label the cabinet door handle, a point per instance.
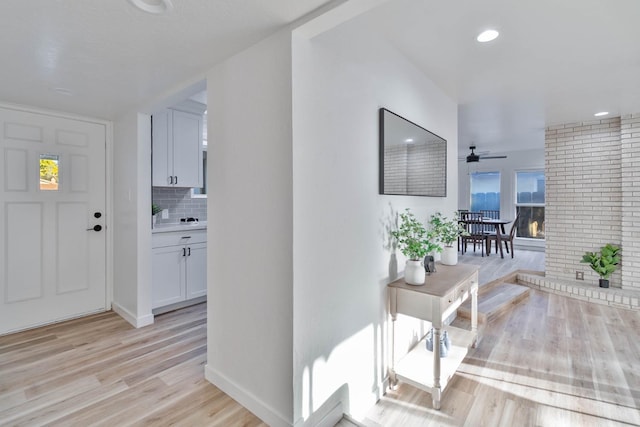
(176, 177)
(189, 251)
(184, 251)
(170, 179)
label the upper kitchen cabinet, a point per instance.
(177, 146)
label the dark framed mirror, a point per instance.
(413, 161)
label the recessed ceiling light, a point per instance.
(408, 140)
(153, 6)
(601, 113)
(487, 36)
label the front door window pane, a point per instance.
(49, 177)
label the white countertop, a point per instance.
(166, 228)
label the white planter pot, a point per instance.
(449, 255)
(414, 273)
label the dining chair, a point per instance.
(473, 225)
(506, 238)
(460, 212)
(490, 213)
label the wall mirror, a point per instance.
(413, 161)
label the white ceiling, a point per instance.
(108, 57)
(554, 62)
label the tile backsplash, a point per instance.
(179, 203)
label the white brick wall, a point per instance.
(395, 167)
(630, 142)
(584, 195)
(414, 169)
(581, 290)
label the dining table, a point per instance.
(498, 224)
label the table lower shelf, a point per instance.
(416, 368)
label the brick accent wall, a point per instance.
(395, 169)
(584, 191)
(415, 169)
(425, 169)
(630, 142)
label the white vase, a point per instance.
(414, 273)
(449, 255)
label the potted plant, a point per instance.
(415, 243)
(155, 209)
(447, 232)
(603, 262)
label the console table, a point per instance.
(435, 301)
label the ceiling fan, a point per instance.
(473, 157)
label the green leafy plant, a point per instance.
(603, 262)
(414, 240)
(155, 209)
(447, 230)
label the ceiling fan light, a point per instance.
(473, 158)
(487, 36)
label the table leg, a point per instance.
(437, 389)
(393, 379)
(474, 315)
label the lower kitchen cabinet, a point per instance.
(179, 267)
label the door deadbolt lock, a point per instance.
(97, 215)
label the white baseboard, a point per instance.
(245, 398)
(137, 322)
(332, 417)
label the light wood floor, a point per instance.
(99, 371)
(493, 267)
(550, 361)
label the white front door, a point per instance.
(52, 219)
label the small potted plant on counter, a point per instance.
(604, 262)
(155, 210)
(415, 243)
(447, 232)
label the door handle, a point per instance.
(184, 252)
(95, 228)
(189, 251)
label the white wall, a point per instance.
(250, 231)
(342, 260)
(132, 219)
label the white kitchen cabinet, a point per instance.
(196, 274)
(179, 267)
(177, 148)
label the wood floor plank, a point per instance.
(549, 361)
(101, 371)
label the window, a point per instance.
(485, 191)
(49, 177)
(530, 204)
